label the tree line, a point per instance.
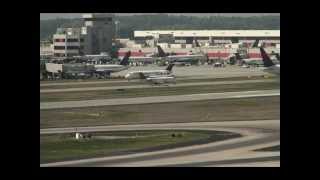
(165, 22)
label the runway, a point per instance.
(157, 99)
(149, 86)
(256, 134)
(79, 83)
(203, 71)
(238, 151)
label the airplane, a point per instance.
(247, 60)
(144, 59)
(255, 44)
(147, 58)
(250, 60)
(136, 74)
(179, 59)
(270, 66)
(157, 80)
(107, 69)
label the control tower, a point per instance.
(100, 32)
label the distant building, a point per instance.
(46, 49)
(268, 37)
(95, 37)
(68, 42)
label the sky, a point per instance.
(44, 16)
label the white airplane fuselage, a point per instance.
(109, 68)
(252, 59)
(184, 57)
(135, 74)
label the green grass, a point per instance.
(155, 91)
(61, 147)
(253, 108)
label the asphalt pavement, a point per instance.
(232, 152)
(157, 99)
(150, 86)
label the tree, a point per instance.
(163, 21)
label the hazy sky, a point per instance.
(77, 15)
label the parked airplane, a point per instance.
(107, 69)
(156, 80)
(147, 58)
(270, 66)
(179, 58)
(162, 72)
(249, 60)
(143, 59)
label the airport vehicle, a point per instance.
(157, 80)
(107, 69)
(218, 64)
(161, 72)
(270, 66)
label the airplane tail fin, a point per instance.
(169, 68)
(255, 44)
(266, 59)
(161, 53)
(197, 43)
(125, 60)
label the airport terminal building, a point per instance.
(209, 37)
